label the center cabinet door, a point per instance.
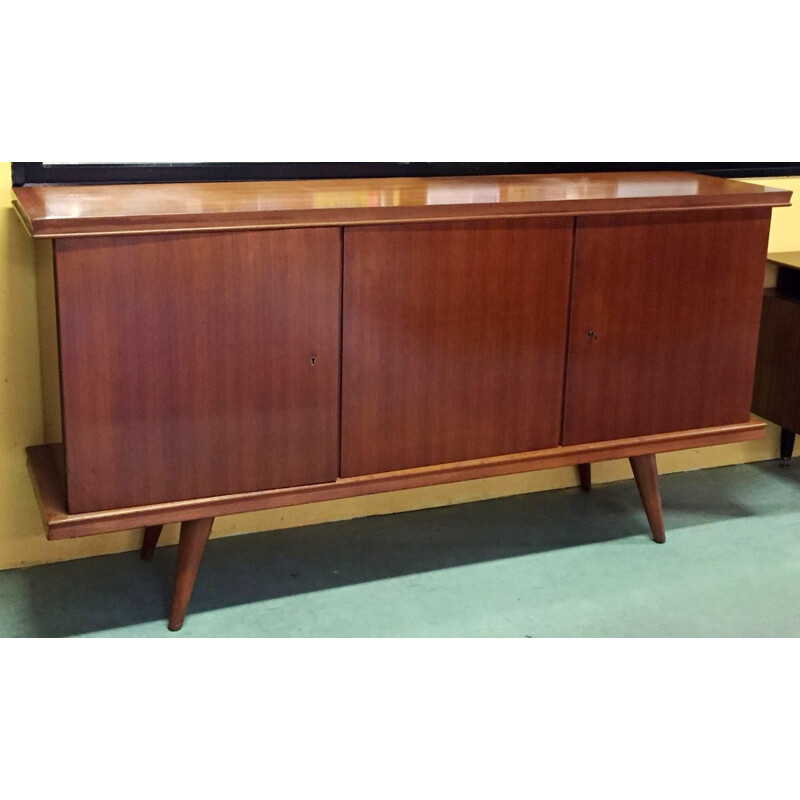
(454, 340)
(201, 364)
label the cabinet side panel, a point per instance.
(776, 394)
(49, 362)
(196, 365)
(664, 323)
(48, 340)
(454, 341)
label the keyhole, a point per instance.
(591, 334)
(313, 361)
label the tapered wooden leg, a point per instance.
(646, 473)
(585, 474)
(192, 543)
(150, 541)
(787, 446)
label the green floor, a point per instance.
(560, 563)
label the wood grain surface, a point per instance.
(664, 322)
(454, 341)
(198, 365)
(776, 394)
(56, 211)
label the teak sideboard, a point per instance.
(238, 346)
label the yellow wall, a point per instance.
(22, 539)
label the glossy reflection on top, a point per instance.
(76, 210)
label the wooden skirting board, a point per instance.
(59, 524)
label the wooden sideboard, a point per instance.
(238, 346)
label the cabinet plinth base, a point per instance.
(196, 525)
(59, 524)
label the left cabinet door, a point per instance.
(196, 365)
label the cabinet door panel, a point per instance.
(664, 322)
(454, 341)
(187, 364)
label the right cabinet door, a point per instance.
(664, 322)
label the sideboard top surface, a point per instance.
(69, 211)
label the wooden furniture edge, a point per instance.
(24, 217)
(789, 259)
(106, 216)
(317, 218)
(61, 525)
